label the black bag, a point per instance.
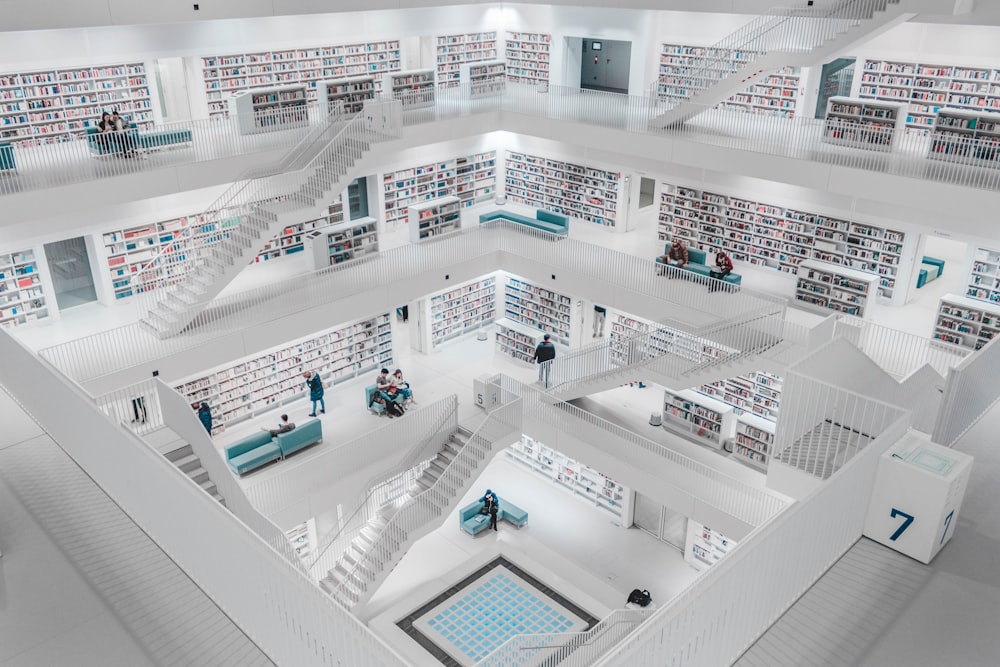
(640, 597)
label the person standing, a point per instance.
(491, 506)
(205, 416)
(544, 354)
(315, 392)
(600, 312)
(723, 267)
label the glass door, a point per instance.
(69, 266)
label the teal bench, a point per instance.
(302, 436)
(696, 264)
(472, 522)
(252, 452)
(164, 138)
(259, 448)
(930, 269)
(7, 156)
(375, 407)
(102, 145)
(547, 221)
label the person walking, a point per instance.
(544, 354)
(491, 506)
(600, 312)
(315, 392)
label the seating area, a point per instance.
(931, 269)
(259, 448)
(100, 145)
(697, 264)
(472, 522)
(376, 407)
(547, 221)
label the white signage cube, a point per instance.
(918, 493)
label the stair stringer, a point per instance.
(181, 303)
(428, 510)
(764, 65)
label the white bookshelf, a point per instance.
(984, 280)
(823, 286)
(967, 137)
(540, 309)
(579, 191)
(348, 94)
(926, 88)
(704, 546)
(517, 340)
(453, 51)
(757, 393)
(269, 109)
(341, 243)
(662, 340)
(776, 237)
(257, 384)
(705, 419)
(966, 322)
(22, 297)
(527, 56)
(433, 218)
(303, 538)
(296, 237)
(685, 69)
(413, 88)
(53, 105)
(585, 482)
(462, 309)
(226, 74)
(754, 440)
(867, 124)
(484, 78)
(471, 178)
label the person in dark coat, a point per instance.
(205, 415)
(491, 506)
(544, 354)
(723, 267)
(315, 392)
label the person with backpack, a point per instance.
(544, 354)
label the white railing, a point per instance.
(724, 612)
(747, 503)
(278, 607)
(823, 426)
(240, 221)
(79, 160)
(896, 352)
(136, 406)
(567, 649)
(971, 389)
(426, 509)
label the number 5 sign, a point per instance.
(917, 496)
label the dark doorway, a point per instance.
(835, 81)
(69, 266)
(605, 65)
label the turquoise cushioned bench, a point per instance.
(301, 436)
(696, 264)
(252, 452)
(930, 269)
(547, 221)
(468, 516)
(7, 156)
(151, 140)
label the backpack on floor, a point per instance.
(640, 597)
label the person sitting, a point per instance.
(491, 506)
(677, 255)
(121, 125)
(284, 426)
(723, 267)
(108, 135)
(403, 387)
(390, 395)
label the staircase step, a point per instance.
(199, 475)
(188, 463)
(179, 453)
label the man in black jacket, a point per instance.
(544, 354)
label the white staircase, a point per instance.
(186, 276)
(176, 450)
(385, 538)
(782, 37)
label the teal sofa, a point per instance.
(252, 452)
(697, 264)
(547, 221)
(153, 140)
(7, 156)
(931, 268)
(472, 522)
(377, 408)
(259, 448)
(303, 435)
